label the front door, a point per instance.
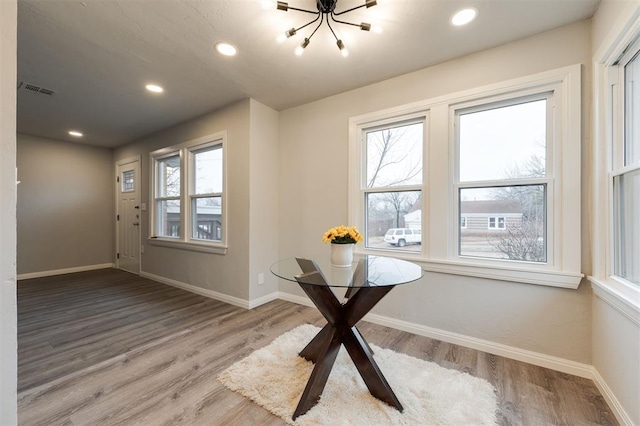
(128, 216)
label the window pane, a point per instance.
(394, 156)
(627, 217)
(206, 218)
(632, 111)
(168, 218)
(388, 214)
(504, 222)
(504, 143)
(168, 170)
(128, 183)
(208, 170)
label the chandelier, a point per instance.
(326, 13)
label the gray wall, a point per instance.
(8, 316)
(228, 274)
(264, 190)
(545, 320)
(65, 205)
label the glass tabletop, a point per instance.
(365, 271)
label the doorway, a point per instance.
(128, 215)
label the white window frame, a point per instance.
(187, 174)
(608, 66)
(439, 243)
(496, 223)
(463, 218)
(402, 118)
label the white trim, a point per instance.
(549, 278)
(624, 298)
(235, 301)
(563, 266)
(254, 303)
(547, 361)
(185, 150)
(73, 270)
(610, 398)
(188, 245)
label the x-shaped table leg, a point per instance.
(341, 330)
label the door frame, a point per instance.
(119, 163)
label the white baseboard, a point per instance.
(236, 301)
(64, 271)
(254, 303)
(535, 358)
(612, 401)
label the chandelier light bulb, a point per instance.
(343, 49)
(281, 38)
(300, 49)
(377, 29)
(268, 4)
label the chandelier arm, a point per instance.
(309, 23)
(332, 32)
(348, 10)
(342, 22)
(315, 12)
(314, 31)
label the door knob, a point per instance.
(136, 223)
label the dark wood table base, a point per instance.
(341, 330)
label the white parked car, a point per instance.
(403, 236)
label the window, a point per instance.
(391, 188)
(206, 191)
(490, 178)
(502, 171)
(625, 176)
(188, 194)
(128, 184)
(167, 196)
(496, 222)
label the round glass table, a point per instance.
(367, 281)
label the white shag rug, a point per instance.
(275, 376)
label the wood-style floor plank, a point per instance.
(110, 348)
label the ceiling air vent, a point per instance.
(36, 89)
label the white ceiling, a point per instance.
(98, 55)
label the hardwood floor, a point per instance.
(107, 347)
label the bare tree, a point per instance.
(385, 143)
(401, 203)
(525, 241)
(392, 161)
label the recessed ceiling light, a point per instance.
(75, 133)
(226, 49)
(464, 16)
(154, 88)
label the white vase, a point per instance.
(341, 255)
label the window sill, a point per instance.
(620, 295)
(510, 273)
(184, 245)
